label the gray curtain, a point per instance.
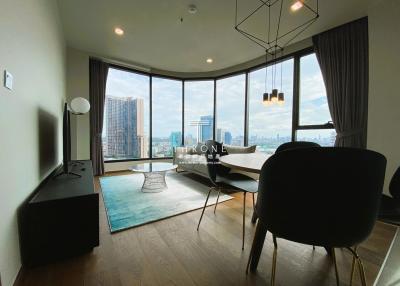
(343, 57)
(98, 72)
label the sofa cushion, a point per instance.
(240, 150)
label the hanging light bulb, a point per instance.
(266, 99)
(274, 96)
(281, 98)
(281, 95)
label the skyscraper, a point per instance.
(204, 127)
(224, 136)
(125, 127)
(175, 139)
(228, 138)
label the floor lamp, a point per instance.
(79, 106)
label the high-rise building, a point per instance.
(228, 138)
(224, 136)
(125, 127)
(204, 127)
(207, 128)
(175, 139)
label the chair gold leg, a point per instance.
(219, 192)
(357, 258)
(274, 258)
(250, 255)
(205, 204)
(353, 263)
(244, 217)
(362, 273)
(336, 267)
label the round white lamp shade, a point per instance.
(80, 105)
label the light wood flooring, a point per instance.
(172, 252)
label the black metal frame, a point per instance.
(296, 56)
(270, 44)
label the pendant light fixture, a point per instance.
(281, 95)
(274, 42)
(266, 96)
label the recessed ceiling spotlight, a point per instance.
(192, 9)
(118, 31)
(296, 5)
(209, 60)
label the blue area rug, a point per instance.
(127, 206)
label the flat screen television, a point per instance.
(66, 143)
(66, 139)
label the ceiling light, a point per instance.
(209, 60)
(118, 31)
(296, 5)
(192, 9)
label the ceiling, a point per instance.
(155, 36)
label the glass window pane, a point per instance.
(324, 137)
(230, 110)
(126, 116)
(313, 102)
(166, 116)
(199, 110)
(270, 126)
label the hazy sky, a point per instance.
(266, 121)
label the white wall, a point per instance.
(32, 49)
(384, 79)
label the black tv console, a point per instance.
(62, 219)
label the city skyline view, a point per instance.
(269, 126)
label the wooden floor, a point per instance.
(172, 252)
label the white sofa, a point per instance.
(193, 159)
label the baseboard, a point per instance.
(17, 279)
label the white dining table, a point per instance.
(249, 162)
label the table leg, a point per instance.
(257, 246)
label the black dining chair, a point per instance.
(220, 177)
(296, 145)
(319, 196)
(390, 206)
(289, 146)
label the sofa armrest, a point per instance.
(179, 153)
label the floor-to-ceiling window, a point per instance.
(136, 101)
(271, 125)
(126, 116)
(314, 115)
(166, 116)
(199, 111)
(230, 110)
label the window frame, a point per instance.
(296, 56)
(186, 80)
(245, 112)
(151, 112)
(296, 102)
